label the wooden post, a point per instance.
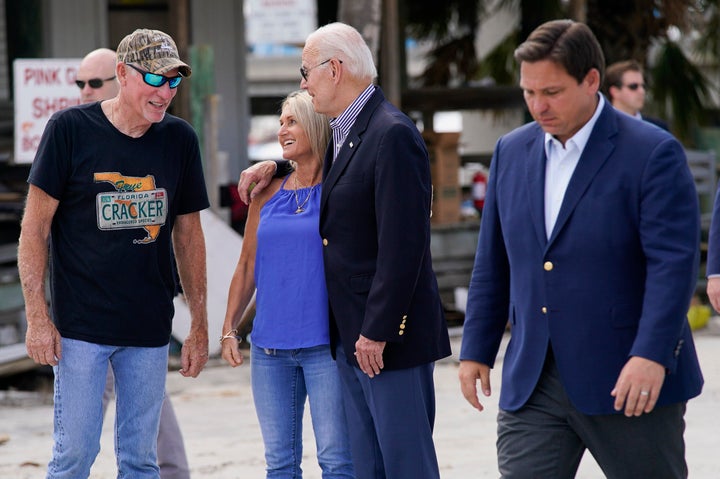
(202, 59)
(210, 151)
(366, 18)
(391, 61)
(578, 10)
(179, 17)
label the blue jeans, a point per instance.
(281, 380)
(171, 455)
(79, 383)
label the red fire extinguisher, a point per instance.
(479, 188)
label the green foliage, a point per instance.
(679, 92)
(452, 26)
(708, 44)
(499, 64)
(679, 89)
(625, 29)
(439, 20)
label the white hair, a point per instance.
(341, 41)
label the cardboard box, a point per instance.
(446, 204)
(444, 157)
(444, 174)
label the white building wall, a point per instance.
(221, 25)
(482, 128)
(74, 27)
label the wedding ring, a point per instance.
(644, 393)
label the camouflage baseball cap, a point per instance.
(153, 51)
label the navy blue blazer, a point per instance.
(375, 225)
(713, 253)
(614, 279)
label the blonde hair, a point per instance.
(316, 125)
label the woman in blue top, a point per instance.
(290, 353)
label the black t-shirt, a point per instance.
(112, 278)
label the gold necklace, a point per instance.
(301, 206)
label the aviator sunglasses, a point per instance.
(156, 80)
(94, 83)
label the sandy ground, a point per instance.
(223, 439)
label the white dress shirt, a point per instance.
(561, 163)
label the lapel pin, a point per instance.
(351, 144)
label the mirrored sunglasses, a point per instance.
(94, 83)
(156, 80)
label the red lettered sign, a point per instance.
(42, 87)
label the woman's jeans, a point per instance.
(281, 380)
(79, 383)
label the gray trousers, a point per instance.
(547, 437)
(171, 455)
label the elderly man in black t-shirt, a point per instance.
(119, 185)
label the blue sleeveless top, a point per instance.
(291, 302)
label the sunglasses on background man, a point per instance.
(94, 83)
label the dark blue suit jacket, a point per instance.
(713, 254)
(614, 279)
(375, 225)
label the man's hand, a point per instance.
(254, 179)
(713, 292)
(638, 386)
(369, 355)
(469, 373)
(194, 354)
(42, 342)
